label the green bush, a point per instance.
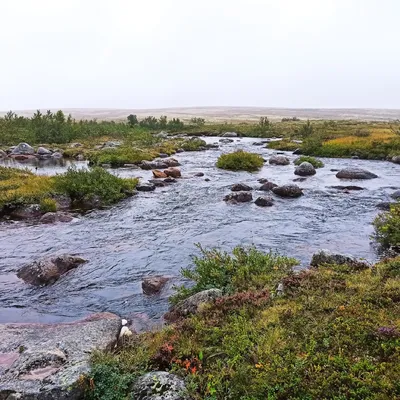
(240, 161)
(97, 183)
(48, 205)
(193, 144)
(117, 157)
(387, 227)
(314, 161)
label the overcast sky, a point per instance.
(170, 53)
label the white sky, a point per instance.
(171, 53)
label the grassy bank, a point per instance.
(334, 333)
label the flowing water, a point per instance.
(155, 233)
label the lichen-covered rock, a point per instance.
(305, 169)
(238, 197)
(46, 361)
(325, 257)
(238, 187)
(288, 191)
(264, 201)
(355, 173)
(159, 385)
(279, 160)
(47, 271)
(23, 148)
(153, 284)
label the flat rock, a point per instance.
(145, 187)
(238, 197)
(264, 201)
(147, 165)
(350, 187)
(46, 361)
(288, 191)
(355, 173)
(153, 284)
(238, 187)
(170, 180)
(47, 271)
(301, 179)
(279, 160)
(325, 257)
(226, 141)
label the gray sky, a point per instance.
(171, 53)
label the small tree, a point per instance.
(132, 120)
(162, 122)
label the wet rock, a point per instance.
(192, 304)
(3, 154)
(305, 169)
(52, 217)
(258, 143)
(153, 284)
(26, 212)
(288, 191)
(355, 157)
(297, 152)
(267, 186)
(385, 205)
(238, 197)
(173, 172)
(350, 187)
(159, 385)
(46, 361)
(147, 165)
(23, 148)
(180, 151)
(56, 155)
(210, 146)
(163, 155)
(395, 195)
(159, 174)
(199, 174)
(355, 173)
(170, 180)
(47, 271)
(239, 187)
(264, 201)
(262, 180)
(42, 151)
(157, 183)
(279, 160)
(334, 170)
(145, 187)
(230, 134)
(207, 180)
(323, 257)
(396, 159)
(302, 179)
(226, 141)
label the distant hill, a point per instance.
(231, 113)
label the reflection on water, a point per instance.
(154, 233)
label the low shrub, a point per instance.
(240, 161)
(193, 144)
(314, 161)
(387, 227)
(48, 205)
(97, 183)
(117, 157)
(283, 145)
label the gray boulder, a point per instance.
(162, 135)
(238, 197)
(47, 271)
(56, 155)
(305, 169)
(46, 361)
(288, 191)
(325, 257)
(42, 151)
(267, 186)
(23, 148)
(264, 201)
(230, 134)
(226, 141)
(279, 160)
(396, 159)
(355, 173)
(395, 195)
(238, 187)
(159, 385)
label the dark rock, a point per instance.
(159, 385)
(212, 146)
(350, 187)
(23, 148)
(396, 159)
(26, 212)
(302, 179)
(334, 170)
(163, 155)
(264, 201)
(288, 191)
(47, 361)
(325, 257)
(171, 162)
(52, 217)
(173, 172)
(305, 169)
(230, 134)
(355, 157)
(355, 173)
(385, 205)
(267, 186)
(239, 187)
(199, 174)
(279, 160)
(226, 141)
(48, 270)
(147, 165)
(180, 151)
(297, 152)
(238, 197)
(170, 180)
(207, 180)
(262, 180)
(258, 143)
(395, 195)
(153, 284)
(145, 187)
(157, 183)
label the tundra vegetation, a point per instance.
(240, 161)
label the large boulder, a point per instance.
(355, 173)
(23, 148)
(173, 172)
(159, 385)
(396, 159)
(267, 186)
(264, 201)
(238, 187)
(288, 191)
(153, 284)
(325, 257)
(279, 160)
(47, 361)
(305, 169)
(238, 197)
(47, 271)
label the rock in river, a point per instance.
(355, 173)
(395, 195)
(47, 271)
(264, 201)
(238, 187)
(173, 172)
(305, 169)
(238, 197)
(159, 174)
(23, 148)
(46, 361)
(153, 284)
(326, 257)
(145, 187)
(288, 191)
(396, 159)
(267, 186)
(279, 160)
